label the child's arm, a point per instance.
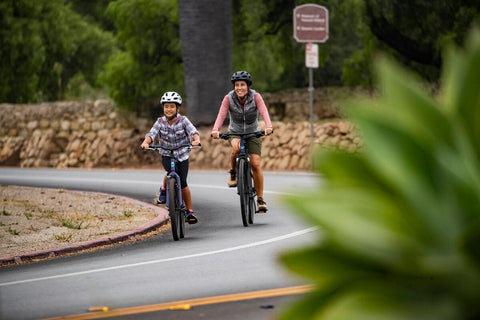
(151, 134)
(146, 143)
(196, 139)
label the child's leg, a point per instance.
(187, 197)
(182, 170)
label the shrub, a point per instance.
(400, 220)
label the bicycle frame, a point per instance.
(173, 174)
(176, 212)
(244, 155)
(245, 188)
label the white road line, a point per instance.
(117, 181)
(133, 265)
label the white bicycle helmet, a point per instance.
(171, 96)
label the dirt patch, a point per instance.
(36, 219)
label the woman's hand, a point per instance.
(268, 131)
(215, 134)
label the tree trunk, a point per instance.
(206, 42)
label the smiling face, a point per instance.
(241, 88)
(170, 109)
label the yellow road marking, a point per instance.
(182, 305)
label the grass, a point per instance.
(63, 237)
(73, 225)
(127, 213)
(13, 231)
(28, 215)
(47, 213)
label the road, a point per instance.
(217, 257)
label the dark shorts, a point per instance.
(181, 168)
(253, 145)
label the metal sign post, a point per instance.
(311, 61)
(310, 24)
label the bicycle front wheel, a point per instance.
(174, 208)
(243, 190)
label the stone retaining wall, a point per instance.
(94, 134)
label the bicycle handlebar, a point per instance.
(158, 147)
(256, 134)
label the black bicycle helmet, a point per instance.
(242, 76)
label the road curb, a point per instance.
(160, 220)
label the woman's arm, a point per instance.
(222, 114)
(262, 108)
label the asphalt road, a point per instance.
(217, 257)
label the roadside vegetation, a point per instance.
(399, 221)
(130, 50)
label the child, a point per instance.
(175, 130)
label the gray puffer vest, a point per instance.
(243, 120)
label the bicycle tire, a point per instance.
(243, 190)
(173, 208)
(182, 215)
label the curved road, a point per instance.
(217, 257)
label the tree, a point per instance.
(150, 61)
(44, 45)
(417, 30)
(206, 39)
(265, 29)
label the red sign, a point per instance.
(310, 23)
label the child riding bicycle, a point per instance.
(174, 130)
(244, 104)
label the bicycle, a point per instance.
(245, 187)
(176, 208)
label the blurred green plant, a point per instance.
(400, 220)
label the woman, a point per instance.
(244, 104)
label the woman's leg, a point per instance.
(232, 175)
(257, 174)
(235, 150)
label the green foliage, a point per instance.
(416, 30)
(150, 62)
(400, 220)
(44, 45)
(265, 29)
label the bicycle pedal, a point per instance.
(261, 211)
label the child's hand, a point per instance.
(215, 134)
(195, 143)
(144, 145)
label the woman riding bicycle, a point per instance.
(244, 104)
(175, 130)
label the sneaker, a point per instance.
(232, 179)
(162, 198)
(262, 205)
(190, 217)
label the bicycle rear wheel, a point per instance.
(243, 190)
(174, 208)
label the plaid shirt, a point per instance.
(180, 133)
